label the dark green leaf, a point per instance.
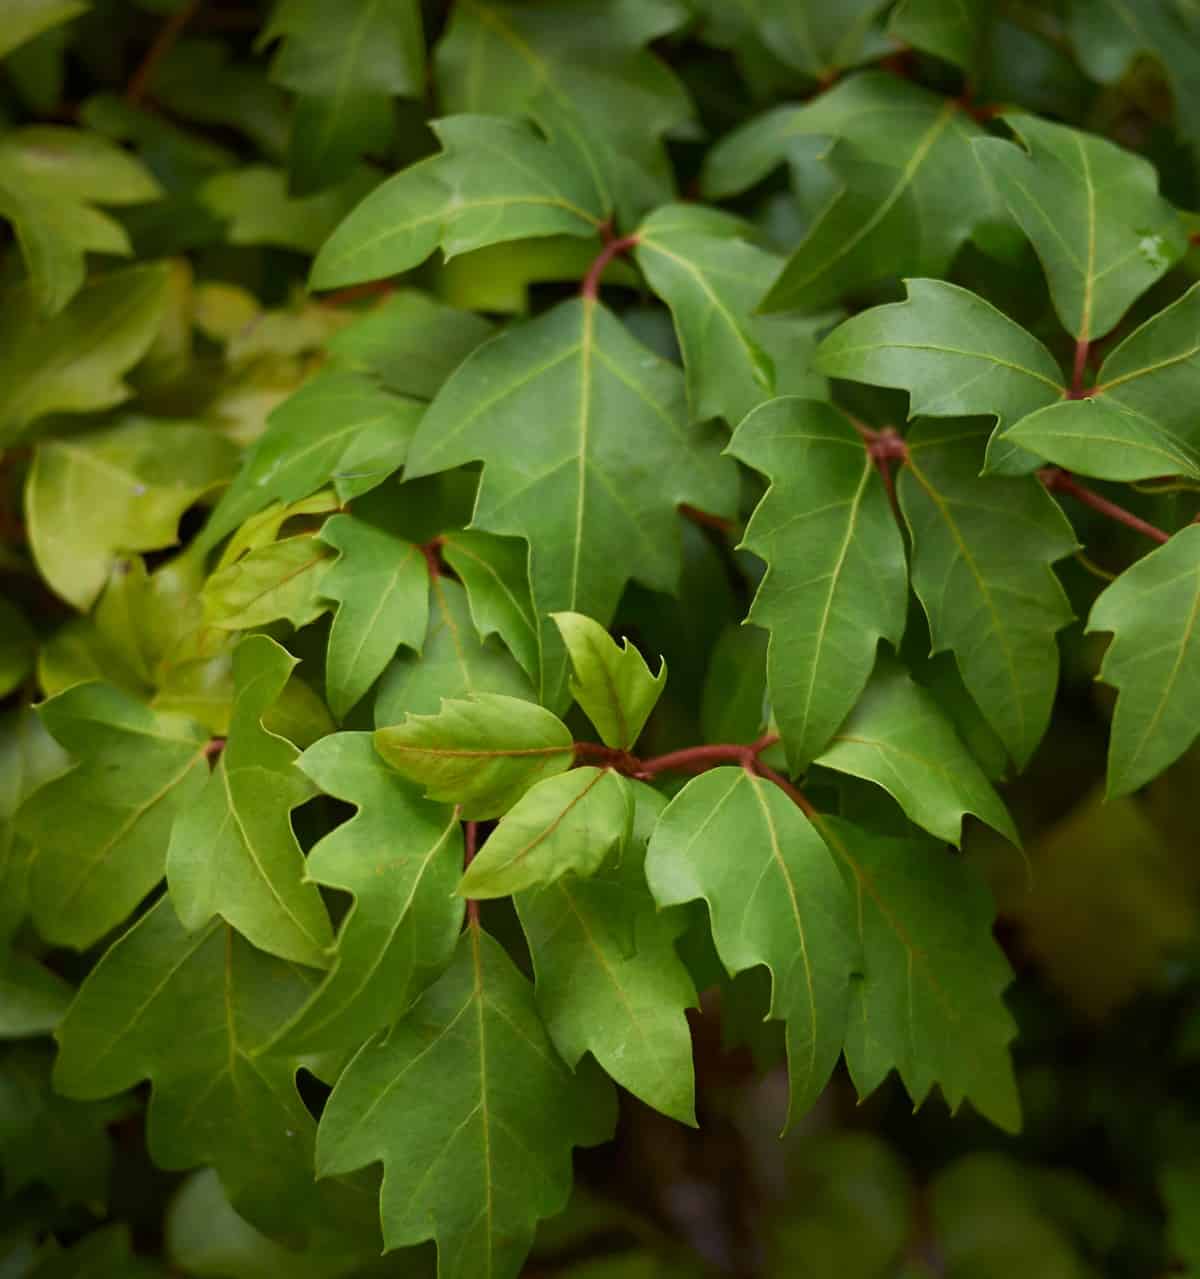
(495, 573)
(836, 579)
(775, 897)
(401, 857)
(472, 1113)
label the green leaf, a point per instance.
(282, 580)
(472, 1113)
(382, 588)
(909, 188)
(44, 1138)
(953, 352)
(587, 452)
(233, 853)
(496, 180)
(495, 573)
(1153, 660)
(612, 684)
(1137, 422)
(400, 857)
(32, 998)
(814, 38)
(107, 1251)
(587, 66)
(836, 581)
(700, 263)
(345, 69)
(75, 362)
(410, 342)
(453, 663)
(929, 1002)
(100, 830)
(950, 29)
(775, 897)
(190, 1010)
(898, 738)
(734, 706)
(18, 647)
(336, 427)
(596, 993)
(1093, 213)
(981, 566)
(133, 480)
(482, 754)
(24, 19)
(1181, 1189)
(51, 179)
(570, 824)
(1110, 35)
(255, 202)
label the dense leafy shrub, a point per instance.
(365, 369)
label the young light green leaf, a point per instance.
(400, 857)
(898, 738)
(596, 993)
(1093, 213)
(382, 588)
(190, 1010)
(954, 353)
(75, 362)
(100, 830)
(24, 19)
(336, 426)
(1153, 660)
(1137, 422)
(775, 897)
(700, 263)
(570, 824)
(51, 179)
(950, 29)
(133, 481)
(909, 190)
(280, 581)
(836, 581)
(233, 853)
(930, 1001)
(612, 684)
(495, 573)
(483, 754)
(588, 429)
(453, 663)
(982, 555)
(472, 1113)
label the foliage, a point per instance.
(582, 582)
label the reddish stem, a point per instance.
(432, 550)
(590, 287)
(796, 796)
(470, 847)
(1059, 481)
(705, 520)
(1077, 392)
(695, 759)
(213, 748)
(168, 34)
(355, 292)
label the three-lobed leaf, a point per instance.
(233, 853)
(836, 581)
(471, 1112)
(775, 897)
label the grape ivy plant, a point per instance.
(583, 582)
